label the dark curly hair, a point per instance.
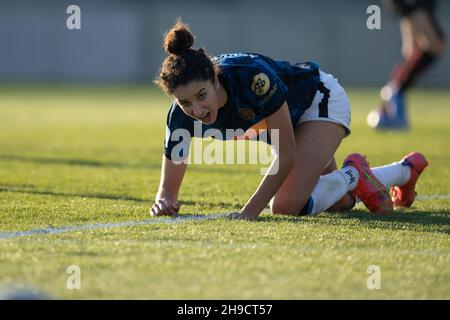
(183, 64)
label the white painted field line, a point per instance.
(64, 229)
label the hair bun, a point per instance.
(179, 39)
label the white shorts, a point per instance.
(330, 104)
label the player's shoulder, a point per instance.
(246, 68)
(242, 59)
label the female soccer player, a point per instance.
(307, 107)
(422, 44)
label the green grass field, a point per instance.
(72, 156)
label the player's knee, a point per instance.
(290, 207)
(284, 209)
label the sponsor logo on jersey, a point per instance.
(253, 132)
(260, 84)
(246, 114)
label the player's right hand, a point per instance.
(165, 207)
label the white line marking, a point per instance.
(64, 229)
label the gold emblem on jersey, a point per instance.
(246, 114)
(260, 84)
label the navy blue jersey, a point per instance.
(256, 87)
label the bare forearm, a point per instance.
(171, 178)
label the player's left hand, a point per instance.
(240, 216)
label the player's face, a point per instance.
(199, 100)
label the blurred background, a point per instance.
(121, 41)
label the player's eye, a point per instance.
(202, 96)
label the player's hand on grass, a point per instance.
(240, 216)
(165, 207)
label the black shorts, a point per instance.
(405, 7)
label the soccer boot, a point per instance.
(403, 196)
(369, 190)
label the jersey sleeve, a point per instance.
(265, 90)
(179, 132)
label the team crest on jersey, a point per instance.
(246, 114)
(260, 84)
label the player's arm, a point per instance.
(166, 199)
(281, 165)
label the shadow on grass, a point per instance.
(437, 221)
(28, 189)
(101, 164)
(77, 162)
(31, 189)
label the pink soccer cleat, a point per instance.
(404, 196)
(369, 190)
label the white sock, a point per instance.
(331, 188)
(351, 177)
(394, 174)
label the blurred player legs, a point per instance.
(422, 44)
